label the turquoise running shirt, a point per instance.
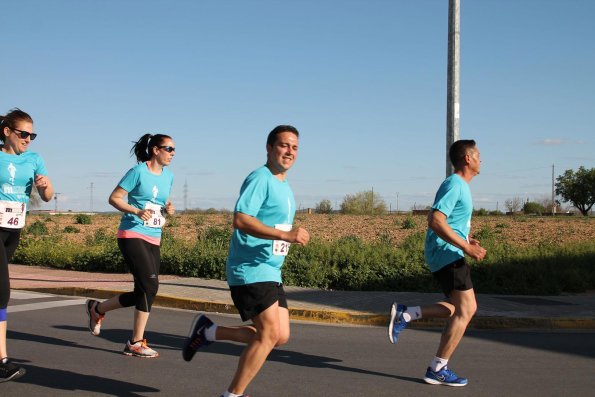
(17, 175)
(251, 259)
(454, 200)
(17, 178)
(144, 188)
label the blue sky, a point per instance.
(363, 81)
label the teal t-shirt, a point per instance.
(17, 175)
(454, 200)
(251, 259)
(144, 187)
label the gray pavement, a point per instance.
(350, 307)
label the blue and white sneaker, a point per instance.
(444, 377)
(196, 339)
(397, 322)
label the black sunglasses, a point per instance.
(25, 134)
(168, 149)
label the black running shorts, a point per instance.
(253, 299)
(454, 276)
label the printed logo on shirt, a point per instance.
(155, 192)
(10, 189)
(12, 171)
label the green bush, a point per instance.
(409, 223)
(37, 228)
(172, 221)
(82, 219)
(481, 212)
(348, 263)
(71, 229)
(533, 208)
(324, 207)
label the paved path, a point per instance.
(355, 307)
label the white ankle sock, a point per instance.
(211, 332)
(228, 394)
(438, 363)
(412, 313)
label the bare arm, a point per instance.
(437, 222)
(252, 226)
(118, 201)
(44, 187)
(169, 208)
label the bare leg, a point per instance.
(242, 334)
(438, 310)
(3, 351)
(465, 307)
(246, 333)
(140, 318)
(112, 303)
(272, 328)
(140, 322)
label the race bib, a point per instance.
(281, 247)
(12, 214)
(157, 220)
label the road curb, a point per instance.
(337, 317)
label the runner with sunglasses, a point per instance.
(20, 170)
(147, 186)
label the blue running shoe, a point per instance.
(444, 377)
(196, 339)
(397, 322)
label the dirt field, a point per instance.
(517, 230)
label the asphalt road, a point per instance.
(48, 335)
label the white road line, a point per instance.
(44, 305)
(27, 295)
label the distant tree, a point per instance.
(324, 207)
(366, 202)
(577, 188)
(532, 207)
(481, 212)
(514, 204)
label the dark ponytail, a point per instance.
(143, 148)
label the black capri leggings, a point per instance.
(143, 260)
(9, 240)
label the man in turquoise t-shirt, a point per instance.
(447, 243)
(262, 235)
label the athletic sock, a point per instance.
(228, 394)
(3, 360)
(211, 332)
(438, 363)
(412, 313)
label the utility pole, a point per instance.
(185, 195)
(397, 202)
(453, 86)
(91, 198)
(56, 202)
(553, 193)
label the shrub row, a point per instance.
(346, 264)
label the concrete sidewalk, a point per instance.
(352, 307)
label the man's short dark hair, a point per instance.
(279, 129)
(459, 150)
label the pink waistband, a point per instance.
(131, 234)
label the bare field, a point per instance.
(518, 231)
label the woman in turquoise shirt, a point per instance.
(20, 170)
(147, 186)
